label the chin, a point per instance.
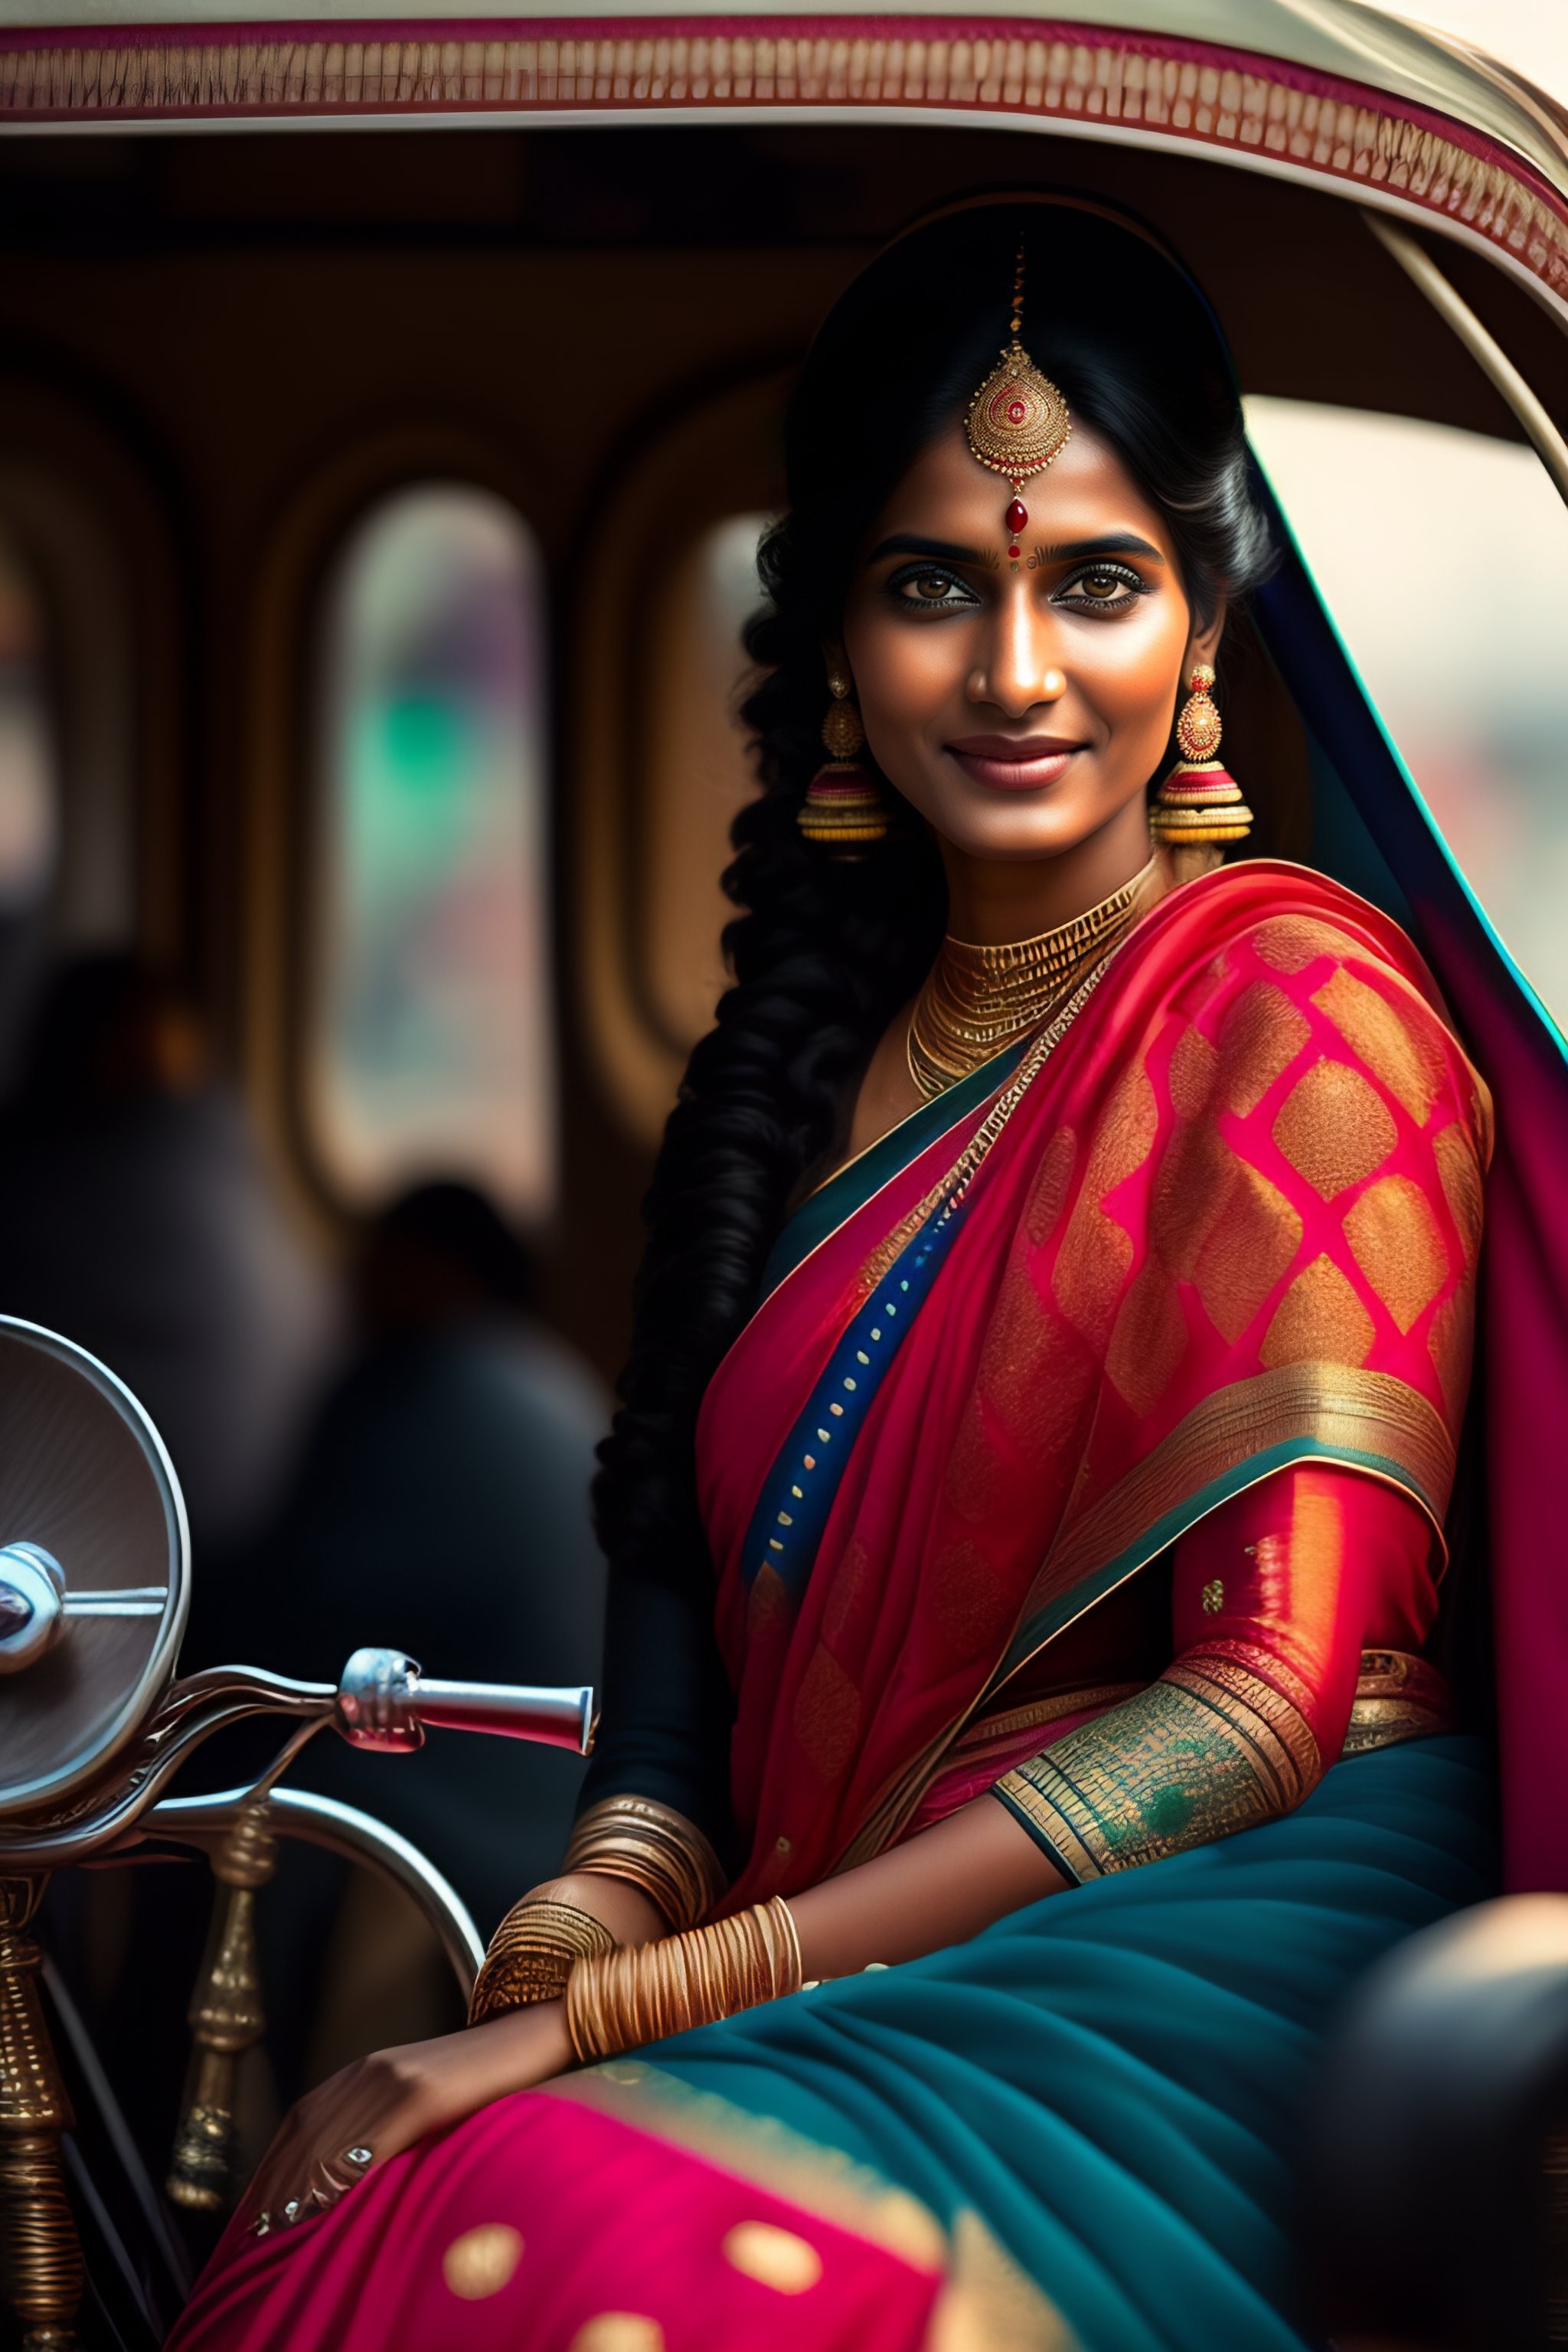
(1010, 833)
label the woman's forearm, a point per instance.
(943, 1886)
(624, 1910)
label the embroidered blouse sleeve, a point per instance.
(1276, 1596)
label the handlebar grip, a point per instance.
(384, 1701)
(557, 1717)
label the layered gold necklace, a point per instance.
(976, 1000)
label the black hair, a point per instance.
(824, 952)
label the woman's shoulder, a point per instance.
(1293, 917)
(1284, 967)
(1306, 935)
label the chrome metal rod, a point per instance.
(1482, 345)
(381, 1702)
(342, 1830)
(558, 1719)
(384, 1702)
(193, 1712)
(136, 1601)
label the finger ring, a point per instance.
(292, 2211)
(262, 2225)
(359, 2157)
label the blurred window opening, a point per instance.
(1443, 557)
(29, 751)
(700, 773)
(430, 1025)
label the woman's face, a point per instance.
(1021, 707)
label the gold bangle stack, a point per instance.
(533, 1954)
(652, 1847)
(637, 1993)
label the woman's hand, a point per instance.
(382, 2103)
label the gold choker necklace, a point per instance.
(976, 1000)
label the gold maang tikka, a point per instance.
(1017, 423)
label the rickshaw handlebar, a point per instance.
(381, 1700)
(384, 1701)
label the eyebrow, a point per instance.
(905, 543)
(1111, 543)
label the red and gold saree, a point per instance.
(1210, 1242)
(1226, 1222)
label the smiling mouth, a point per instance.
(1025, 763)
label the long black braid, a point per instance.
(823, 952)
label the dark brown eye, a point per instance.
(1102, 585)
(939, 592)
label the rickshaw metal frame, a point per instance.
(381, 1702)
(307, 1819)
(1550, 445)
(1323, 93)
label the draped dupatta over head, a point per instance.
(1226, 1220)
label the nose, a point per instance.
(1019, 671)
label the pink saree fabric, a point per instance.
(1233, 1223)
(1524, 1343)
(459, 2242)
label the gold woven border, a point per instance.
(1388, 1722)
(1208, 1750)
(1366, 1419)
(988, 2304)
(1036, 1715)
(1357, 1416)
(1397, 1697)
(830, 62)
(820, 2180)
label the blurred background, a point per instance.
(377, 520)
(1531, 34)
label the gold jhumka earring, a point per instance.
(1017, 423)
(1198, 808)
(843, 809)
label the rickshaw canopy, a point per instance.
(1332, 94)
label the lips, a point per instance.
(1014, 763)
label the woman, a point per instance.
(1043, 1417)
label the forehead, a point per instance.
(948, 494)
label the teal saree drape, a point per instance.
(1116, 2081)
